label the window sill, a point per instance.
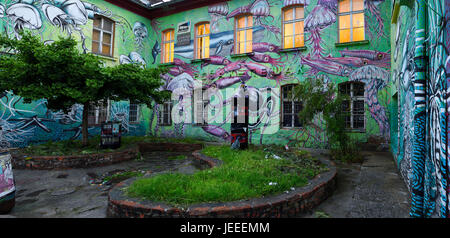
(167, 64)
(110, 58)
(164, 124)
(303, 48)
(290, 128)
(242, 55)
(355, 130)
(353, 43)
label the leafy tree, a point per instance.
(64, 76)
(320, 100)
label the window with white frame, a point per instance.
(103, 36)
(293, 24)
(200, 104)
(202, 41)
(290, 108)
(351, 20)
(165, 114)
(98, 113)
(353, 108)
(133, 113)
(244, 34)
(168, 44)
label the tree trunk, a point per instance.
(84, 125)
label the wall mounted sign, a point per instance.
(184, 33)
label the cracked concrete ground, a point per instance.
(69, 193)
(373, 189)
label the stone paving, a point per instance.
(70, 193)
(373, 189)
(369, 190)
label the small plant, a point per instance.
(320, 100)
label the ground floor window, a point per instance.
(133, 113)
(98, 113)
(290, 108)
(200, 104)
(354, 106)
(165, 114)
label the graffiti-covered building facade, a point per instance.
(389, 57)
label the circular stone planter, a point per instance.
(55, 162)
(282, 205)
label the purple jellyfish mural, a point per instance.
(217, 12)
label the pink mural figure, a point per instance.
(217, 12)
(294, 2)
(322, 16)
(6, 176)
(372, 6)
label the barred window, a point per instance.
(165, 114)
(133, 114)
(354, 107)
(290, 108)
(200, 104)
(98, 113)
(103, 36)
(351, 20)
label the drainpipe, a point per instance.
(420, 114)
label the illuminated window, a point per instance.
(168, 43)
(354, 107)
(103, 36)
(202, 41)
(351, 20)
(244, 34)
(290, 108)
(293, 34)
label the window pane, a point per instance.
(249, 21)
(206, 43)
(241, 48)
(96, 35)
(299, 27)
(248, 47)
(201, 30)
(345, 106)
(344, 22)
(107, 25)
(358, 106)
(241, 22)
(107, 38)
(288, 29)
(249, 35)
(297, 121)
(287, 107)
(287, 121)
(358, 89)
(344, 5)
(358, 5)
(299, 13)
(358, 122)
(95, 47)
(288, 42)
(299, 41)
(206, 28)
(97, 22)
(344, 35)
(171, 51)
(358, 20)
(289, 14)
(297, 107)
(106, 49)
(358, 34)
(241, 36)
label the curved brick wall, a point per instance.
(282, 205)
(21, 161)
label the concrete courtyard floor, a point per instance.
(373, 189)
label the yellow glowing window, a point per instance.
(293, 34)
(244, 34)
(168, 43)
(351, 20)
(202, 41)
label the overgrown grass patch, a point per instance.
(245, 174)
